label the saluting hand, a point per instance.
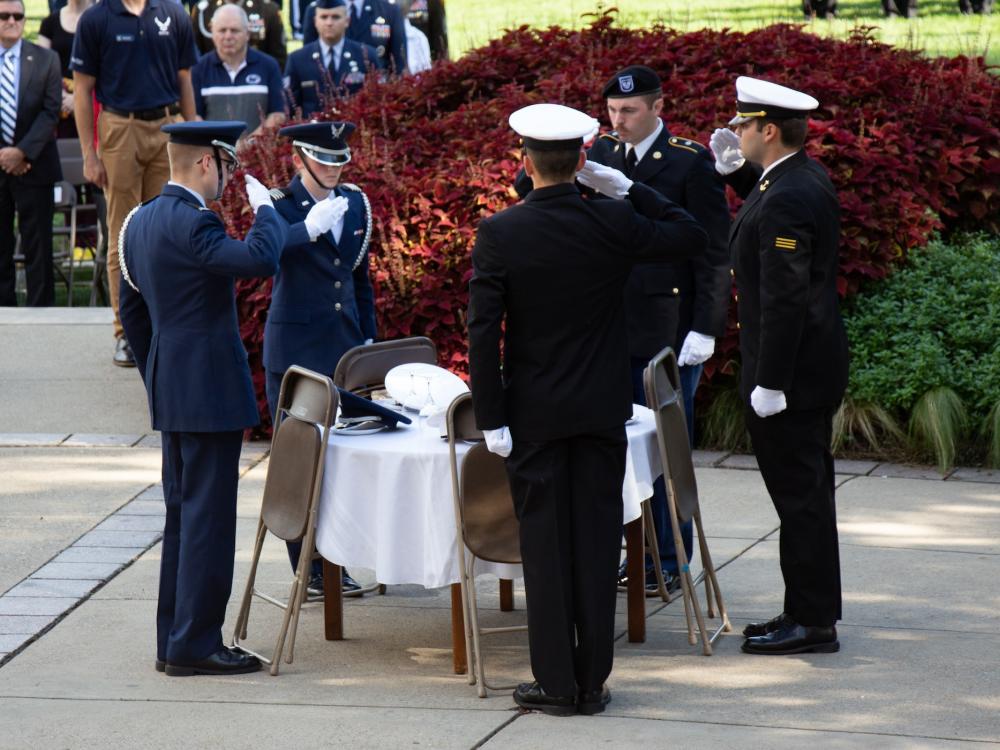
(725, 144)
(257, 194)
(324, 215)
(605, 180)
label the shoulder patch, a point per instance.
(693, 146)
(351, 186)
(278, 194)
(612, 136)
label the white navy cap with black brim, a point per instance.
(553, 127)
(757, 98)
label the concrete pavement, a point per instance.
(79, 560)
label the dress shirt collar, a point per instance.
(644, 145)
(15, 50)
(773, 164)
(197, 196)
(336, 51)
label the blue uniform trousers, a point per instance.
(690, 375)
(200, 475)
(272, 387)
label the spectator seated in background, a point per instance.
(235, 82)
(333, 65)
(267, 30)
(56, 32)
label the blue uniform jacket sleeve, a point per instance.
(197, 73)
(137, 324)
(309, 33)
(293, 83)
(257, 256)
(275, 88)
(364, 296)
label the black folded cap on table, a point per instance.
(354, 407)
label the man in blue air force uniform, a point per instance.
(322, 303)
(178, 308)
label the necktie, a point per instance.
(630, 161)
(8, 99)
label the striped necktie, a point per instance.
(8, 99)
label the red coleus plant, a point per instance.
(912, 145)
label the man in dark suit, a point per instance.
(793, 346)
(30, 98)
(553, 269)
(377, 23)
(332, 65)
(178, 307)
(322, 303)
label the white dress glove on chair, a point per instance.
(605, 180)
(499, 441)
(324, 215)
(697, 348)
(767, 402)
(257, 194)
(725, 144)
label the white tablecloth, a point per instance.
(387, 504)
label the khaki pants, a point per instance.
(134, 153)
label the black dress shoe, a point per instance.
(531, 696)
(347, 584)
(792, 638)
(314, 589)
(222, 662)
(763, 628)
(593, 701)
(123, 356)
(160, 665)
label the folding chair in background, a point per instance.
(661, 380)
(307, 407)
(485, 525)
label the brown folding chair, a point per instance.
(485, 525)
(307, 407)
(661, 380)
(362, 370)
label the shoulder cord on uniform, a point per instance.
(368, 222)
(121, 249)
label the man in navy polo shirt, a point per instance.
(136, 55)
(333, 65)
(235, 82)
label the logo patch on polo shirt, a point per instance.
(253, 78)
(163, 26)
(786, 244)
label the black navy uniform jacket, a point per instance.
(556, 265)
(664, 301)
(322, 302)
(181, 323)
(784, 242)
(307, 80)
(380, 26)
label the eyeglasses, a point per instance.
(230, 166)
(15, 16)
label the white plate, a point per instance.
(415, 385)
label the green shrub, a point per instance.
(925, 346)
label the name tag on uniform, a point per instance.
(308, 84)
(124, 37)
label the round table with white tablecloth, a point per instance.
(386, 502)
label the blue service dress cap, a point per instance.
(216, 133)
(330, 4)
(325, 142)
(353, 406)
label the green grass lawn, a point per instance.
(939, 30)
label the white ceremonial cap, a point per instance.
(757, 98)
(553, 127)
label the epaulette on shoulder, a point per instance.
(278, 194)
(692, 146)
(612, 136)
(351, 186)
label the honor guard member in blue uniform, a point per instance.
(683, 304)
(332, 65)
(178, 307)
(377, 23)
(322, 302)
(784, 244)
(552, 270)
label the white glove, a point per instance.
(725, 144)
(605, 180)
(696, 349)
(767, 402)
(499, 441)
(324, 215)
(257, 194)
